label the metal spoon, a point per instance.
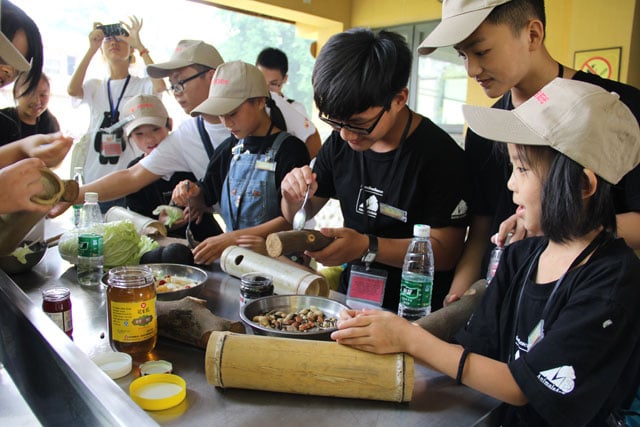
(300, 217)
(191, 241)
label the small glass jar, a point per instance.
(56, 303)
(254, 286)
(131, 309)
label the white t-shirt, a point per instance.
(95, 95)
(183, 150)
(298, 125)
(299, 107)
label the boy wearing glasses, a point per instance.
(389, 167)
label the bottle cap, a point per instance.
(421, 230)
(156, 367)
(91, 197)
(156, 392)
(114, 364)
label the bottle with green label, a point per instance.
(417, 276)
(90, 256)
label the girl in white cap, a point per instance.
(107, 151)
(557, 335)
(246, 170)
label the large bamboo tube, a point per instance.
(306, 367)
(287, 278)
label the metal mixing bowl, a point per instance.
(196, 274)
(288, 304)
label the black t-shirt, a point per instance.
(587, 363)
(427, 184)
(145, 200)
(489, 167)
(12, 129)
(292, 154)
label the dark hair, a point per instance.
(359, 69)
(276, 115)
(565, 214)
(13, 19)
(517, 14)
(273, 58)
(20, 81)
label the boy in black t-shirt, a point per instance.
(502, 44)
(389, 167)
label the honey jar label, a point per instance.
(133, 322)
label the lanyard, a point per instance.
(595, 243)
(392, 171)
(113, 109)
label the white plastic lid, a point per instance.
(421, 230)
(91, 197)
(114, 364)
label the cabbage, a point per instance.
(21, 253)
(121, 244)
(173, 214)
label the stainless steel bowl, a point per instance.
(11, 265)
(288, 304)
(196, 274)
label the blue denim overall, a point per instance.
(249, 193)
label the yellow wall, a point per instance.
(571, 25)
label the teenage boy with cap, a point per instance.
(502, 44)
(246, 170)
(389, 167)
(189, 147)
(149, 127)
(557, 334)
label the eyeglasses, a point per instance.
(178, 87)
(336, 125)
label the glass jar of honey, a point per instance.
(56, 303)
(131, 309)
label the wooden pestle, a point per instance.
(296, 241)
(189, 320)
(445, 322)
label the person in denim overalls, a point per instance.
(246, 170)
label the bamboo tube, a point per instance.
(306, 367)
(287, 278)
(295, 242)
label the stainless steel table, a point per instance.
(437, 401)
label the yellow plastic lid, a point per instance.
(114, 364)
(156, 392)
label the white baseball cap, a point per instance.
(582, 121)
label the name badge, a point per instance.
(111, 145)
(367, 285)
(266, 165)
(393, 212)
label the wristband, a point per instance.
(143, 51)
(463, 359)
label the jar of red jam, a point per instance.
(56, 303)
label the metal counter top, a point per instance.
(437, 401)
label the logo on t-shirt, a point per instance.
(460, 211)
(560, 380)
(368, 201)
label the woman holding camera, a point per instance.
(107, 151)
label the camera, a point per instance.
(113, 30)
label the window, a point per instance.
(438, 82)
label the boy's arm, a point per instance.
(629, 228)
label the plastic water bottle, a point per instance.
(78, 176)
(90, 257)
(417, 276)
(494, 259)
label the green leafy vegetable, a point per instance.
(173, 214)
(21, 253)
(121, 244)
